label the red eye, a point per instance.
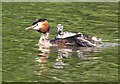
(35, 25)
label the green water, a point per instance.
(21, 60)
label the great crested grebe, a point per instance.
(63, 38)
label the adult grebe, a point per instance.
(63, 38)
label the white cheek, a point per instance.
(37, 26)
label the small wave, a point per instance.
(108, 44)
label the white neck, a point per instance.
(44, 39)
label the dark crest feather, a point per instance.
(38, 20)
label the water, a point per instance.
(74, 64)
(22, 62)
(65, 64)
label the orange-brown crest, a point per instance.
(45, 26)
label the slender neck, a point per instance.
(60, 29)
(44, 39)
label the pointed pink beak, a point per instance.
(28, 28)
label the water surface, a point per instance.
(76, 64)
(22, 62)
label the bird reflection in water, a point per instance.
(83, 53)
(63, 52)
(42, 59)
(88, 53)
